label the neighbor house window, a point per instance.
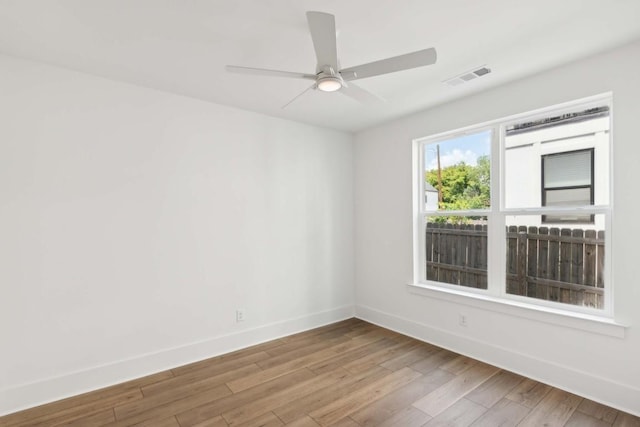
(567, 180)
(524, 208)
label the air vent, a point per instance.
(468, 76)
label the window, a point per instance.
(523, 208)
(567, 179)
(458, 171)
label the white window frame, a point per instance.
(497, 215)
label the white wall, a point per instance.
(592, 364)
(133, 223)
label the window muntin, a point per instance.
(517, 201)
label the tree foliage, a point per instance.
(463, 186)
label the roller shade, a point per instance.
(567, 169)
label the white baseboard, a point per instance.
(48, 390)
(620, 396)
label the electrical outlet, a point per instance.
(462, 320)
(240, 315)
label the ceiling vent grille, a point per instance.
(468, 76)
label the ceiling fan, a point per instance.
(328, 76)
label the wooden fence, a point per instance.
(457, 254)
(563, 265)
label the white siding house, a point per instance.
(578, 153)
(430, 197)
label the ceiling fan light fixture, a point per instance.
(329, 84)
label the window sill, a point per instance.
(583, 322)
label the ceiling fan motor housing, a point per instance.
(329, 81)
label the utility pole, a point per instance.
(439, 178)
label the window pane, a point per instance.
(567, 169)
(457, 173)
(564, 265)
(559, 151)
(456, 250)
(569, 197)
(568, 219)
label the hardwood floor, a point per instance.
(347, 374)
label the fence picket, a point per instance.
(565, 266)
(532, 261)
(553, 269)
(474, 242)
(428, 249)
(542, 291)
(482, 257)
(600, 260)
(445, 239)
(456, 256)
(512, 258)
(577, 266)
(591, 298)
(522, 260)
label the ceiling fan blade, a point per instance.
(299, 95)
(265, 72)
(390, 65)
(323, 33)
(361, 95)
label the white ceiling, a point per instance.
(182, 46)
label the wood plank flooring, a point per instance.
(348, 374)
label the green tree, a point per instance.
(463, 186)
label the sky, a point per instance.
(465, 148)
